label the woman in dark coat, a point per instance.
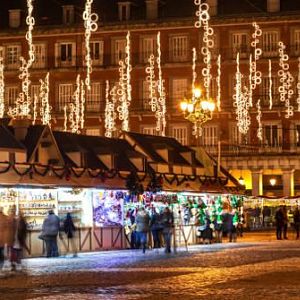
(69, 229)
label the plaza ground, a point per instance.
(256, 267)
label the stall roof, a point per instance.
(8, 141)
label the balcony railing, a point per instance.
(253, 150)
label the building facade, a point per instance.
(59, 42)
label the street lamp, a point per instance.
(197, 110)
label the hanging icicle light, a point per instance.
(194, 70)
(90, 25)
(35, 104)
(270, 85)
(286, 79)
(72, 118)
(219, 83)
(45, 110)
(161, 115)
(255, 75)
(258, 118)
(75, 108)
(2, 88)
(298, 85)
(23, 102)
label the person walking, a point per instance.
(167, 221)
(285, 222)
(50, 230)
(279, 218)
(296, 216)
(142, 227)
(19, 242)
(156, 228)
(70, 229)
(3, 236)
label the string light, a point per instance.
(45, 110)
(23, 102)
(255, 75)
(110, 115)
(298, 85)
(73, 126)
(219, 83)
(286, 79)
(65, 119)
(161, 113)
(75, 108)
(241, 101)
(35, 103)
(124, 90)
(82, 104)
(258, 118)
(194, 71)
(250, 82)
(150, 79)
(208, 42)
(2, 88)
(90, 25)
(270, 85)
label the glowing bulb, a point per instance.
(273, 181)
(190, 107)
(211, 106)
(241, 181)
(183, 106)
(197, 92)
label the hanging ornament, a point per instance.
(110, 114)
(151, 83)
(82, 104)
(35, 103)
(65, 119)
(194, 71)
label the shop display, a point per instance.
(108, 207)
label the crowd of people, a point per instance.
(139, 224)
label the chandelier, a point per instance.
(197, 110)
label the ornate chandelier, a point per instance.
(197, 110)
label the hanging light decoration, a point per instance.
(241, 101)
(270, 85)
(65, 119)
(110, 114)
(219, 83)
(298, 85)
(208, 42)
(23, 102)
(125, 88)
(2, 88)
(82, 104)
(75, 108)
(151, 83)
(35, 103)
(45, 110)
(286, 79)
(255, 75)
(72, 118)
(258, 118)
(161, 114)
(194, 69)
(90, 24)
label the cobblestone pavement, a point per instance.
(249, 269)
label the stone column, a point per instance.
(257, 182)
(288, 183)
